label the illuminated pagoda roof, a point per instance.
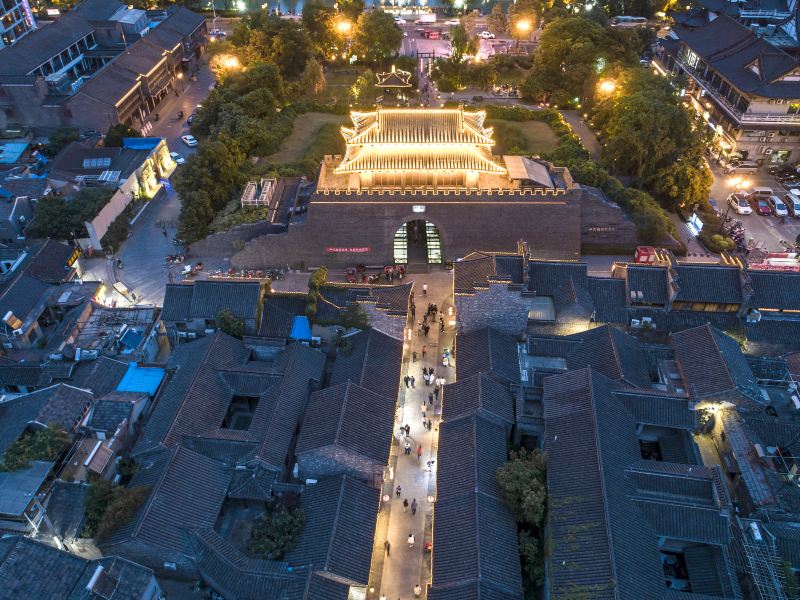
(394, 79)
(424, 139)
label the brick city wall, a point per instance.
(391, 325)
(494, 223)
(502, 307)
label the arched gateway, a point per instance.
(418, 242)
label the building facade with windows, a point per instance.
(98, 65)
(745, 88)
(16, 21)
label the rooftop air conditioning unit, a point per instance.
(208, 331)
(759, 450)
(763, 139)
(768, 151)
(181, 334)
(796, 402)
(636, 324)
(647, 321)
(191, 335)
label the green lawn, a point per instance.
(531, 137)
(304, 131)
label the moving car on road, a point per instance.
(189, 140)
(177, 158)
(486, 35)
(778, 207)
(452, 22)
(399, 20)
(740, 204)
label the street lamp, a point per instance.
(607, 86)
(344, 27)
(180, 78)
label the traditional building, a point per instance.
(428, 185)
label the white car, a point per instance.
(400, 20)
(177, 158)
(740, 204)
(452, 22)
(189, 140)
(486, 35)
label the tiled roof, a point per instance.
(182, 20)
(48, 262)
(252, 484)
(730, 48)
(108, 414)
(775, 290)
(279, 312)
(59, 404)
(606, 523)
(708, 283)
(608, 296)
(373, 363)
(101, 376)
(478, 394)
(612, 353)
(32, 569)
(611, 549)
(487, 351)
(476, 542)
(470, 452)
(351, 418)
(280, 411)
(205, 299)
(545, 278)
(787, 539)
(240, 577)
(22, 295)
(340, 515)
(773, 335)
(651, 408)
(97, 10)
(186, 492)
(651, 281)
(227, 451)
(711, 363)
(326, 586)
(196, 398)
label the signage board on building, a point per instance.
(348, 249)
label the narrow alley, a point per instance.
(400, 566)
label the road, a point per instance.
(145, 271)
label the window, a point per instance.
(691, 58)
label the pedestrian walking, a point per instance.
(417, 591)
(388, 547)
(408, 429)
(430, 425)
(405, 504)
(430, 372)
(406, 379)
(441, 324)
(413, 312)
(422, 408)
(411, 379)
(419, 452)
(407, 449)
(414, 506)
(424, 289)
(413, 357)
(398, 491)
(424, 350)
(430, 398)
(436, 389)
(410, 540)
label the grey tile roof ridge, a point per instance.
(191, 385)
(154, 490)
(336, 517)
(292, 348)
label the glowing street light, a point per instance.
(344, 27)
(524, 26)
(229, 61)
(607, 86)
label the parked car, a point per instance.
(486, 35)
(189, 140)
(761, 206)
(777, 169)
(217, 33)
(740, 204)
(452, 22)
(778, 207)
(432, 35)
(191, 118)
(177, 158)
(761, 192)
(742, 166)
(400, 20)
(792, 202)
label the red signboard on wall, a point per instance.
(348, 249)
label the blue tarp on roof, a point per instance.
(141, 379)
(131, 338)
(301, 329)
(147, 143)
(10, 152)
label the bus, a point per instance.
(624, 21)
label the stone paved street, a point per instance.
(407, 566)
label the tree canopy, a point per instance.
(462, 43)
(42, 444)
(63, 219)
(275, 533)
(377, 37)
(230, 324)
(117, 132)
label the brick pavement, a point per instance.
(407, 566)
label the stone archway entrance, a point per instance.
(418, 242)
